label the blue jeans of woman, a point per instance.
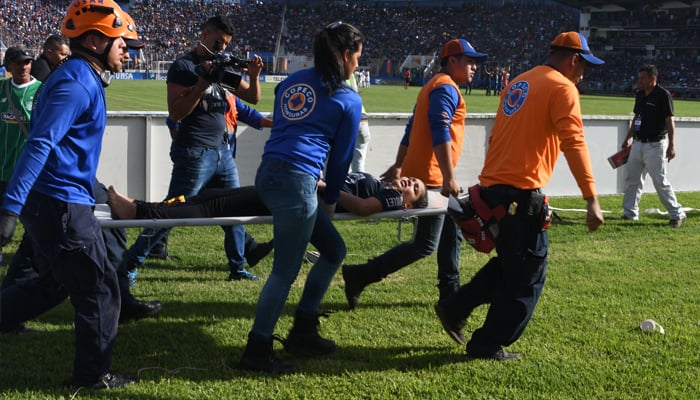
(290, 195)
(195, 168)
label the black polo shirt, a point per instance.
(653, 110)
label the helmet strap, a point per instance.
(106, 74)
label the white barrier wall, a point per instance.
(135, 153)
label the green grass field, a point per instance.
(150, 96)
(583, 342)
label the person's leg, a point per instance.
(332, 250)
(634, 182)
(522, 265)
(291, 197)
(361, 147)
(290, 194)
(93, 288)
(28, 298)
(448, 258)
(21, 267)
(303, 338)
(193, 167)
(656, 164)
(234, 235)
(424, 243)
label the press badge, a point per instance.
(637, 123)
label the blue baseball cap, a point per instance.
(459, 47)
(576, 41)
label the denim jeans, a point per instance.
(195, 168)
(290, 195)
(649, 158)
(433, 232)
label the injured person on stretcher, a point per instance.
(362, 194)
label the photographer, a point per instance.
(200, 150)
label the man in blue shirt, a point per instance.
(51, 191)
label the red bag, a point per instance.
(478, 222)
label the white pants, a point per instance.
(649, 158)
(361, 146)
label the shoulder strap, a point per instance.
(14, 109)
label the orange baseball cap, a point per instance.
(576, 41)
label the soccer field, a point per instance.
(147, 95)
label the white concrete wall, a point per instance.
(135, 153)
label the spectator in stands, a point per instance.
(541, 118)
(200, 151)
(652, 137)
(429, 151)
(306, 139)
(52, 189)
(55, 50)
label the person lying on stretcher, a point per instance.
(362, 194)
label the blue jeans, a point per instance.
(290, 195)
(432, 233)
(195, 168)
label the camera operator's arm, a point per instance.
(251, 92)
(182, 99)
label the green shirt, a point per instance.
(12, 138)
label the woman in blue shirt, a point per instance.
(315, 120)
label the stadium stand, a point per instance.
(514, 33)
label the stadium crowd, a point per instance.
(514, 35)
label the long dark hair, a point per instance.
(329, 45)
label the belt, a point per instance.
(651, 139)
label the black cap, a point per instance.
(16, 54)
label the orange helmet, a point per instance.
(131, 37)
(104, 16)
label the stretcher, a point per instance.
(437, 204)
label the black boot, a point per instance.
(356, 278)
(259, 356)
(448, 289)
(303, 338)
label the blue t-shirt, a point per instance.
(205, 126)
(65, 139)
(311, 130)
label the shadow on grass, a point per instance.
(156, 350)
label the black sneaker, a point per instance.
(110, 380)
(500, 355)
(450, 325)
(259, 252)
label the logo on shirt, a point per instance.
(298, 101)
(515, 98)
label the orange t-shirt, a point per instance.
(420, 151)
(538, 117)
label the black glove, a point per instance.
(8, 222)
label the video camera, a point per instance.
(226, 70)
